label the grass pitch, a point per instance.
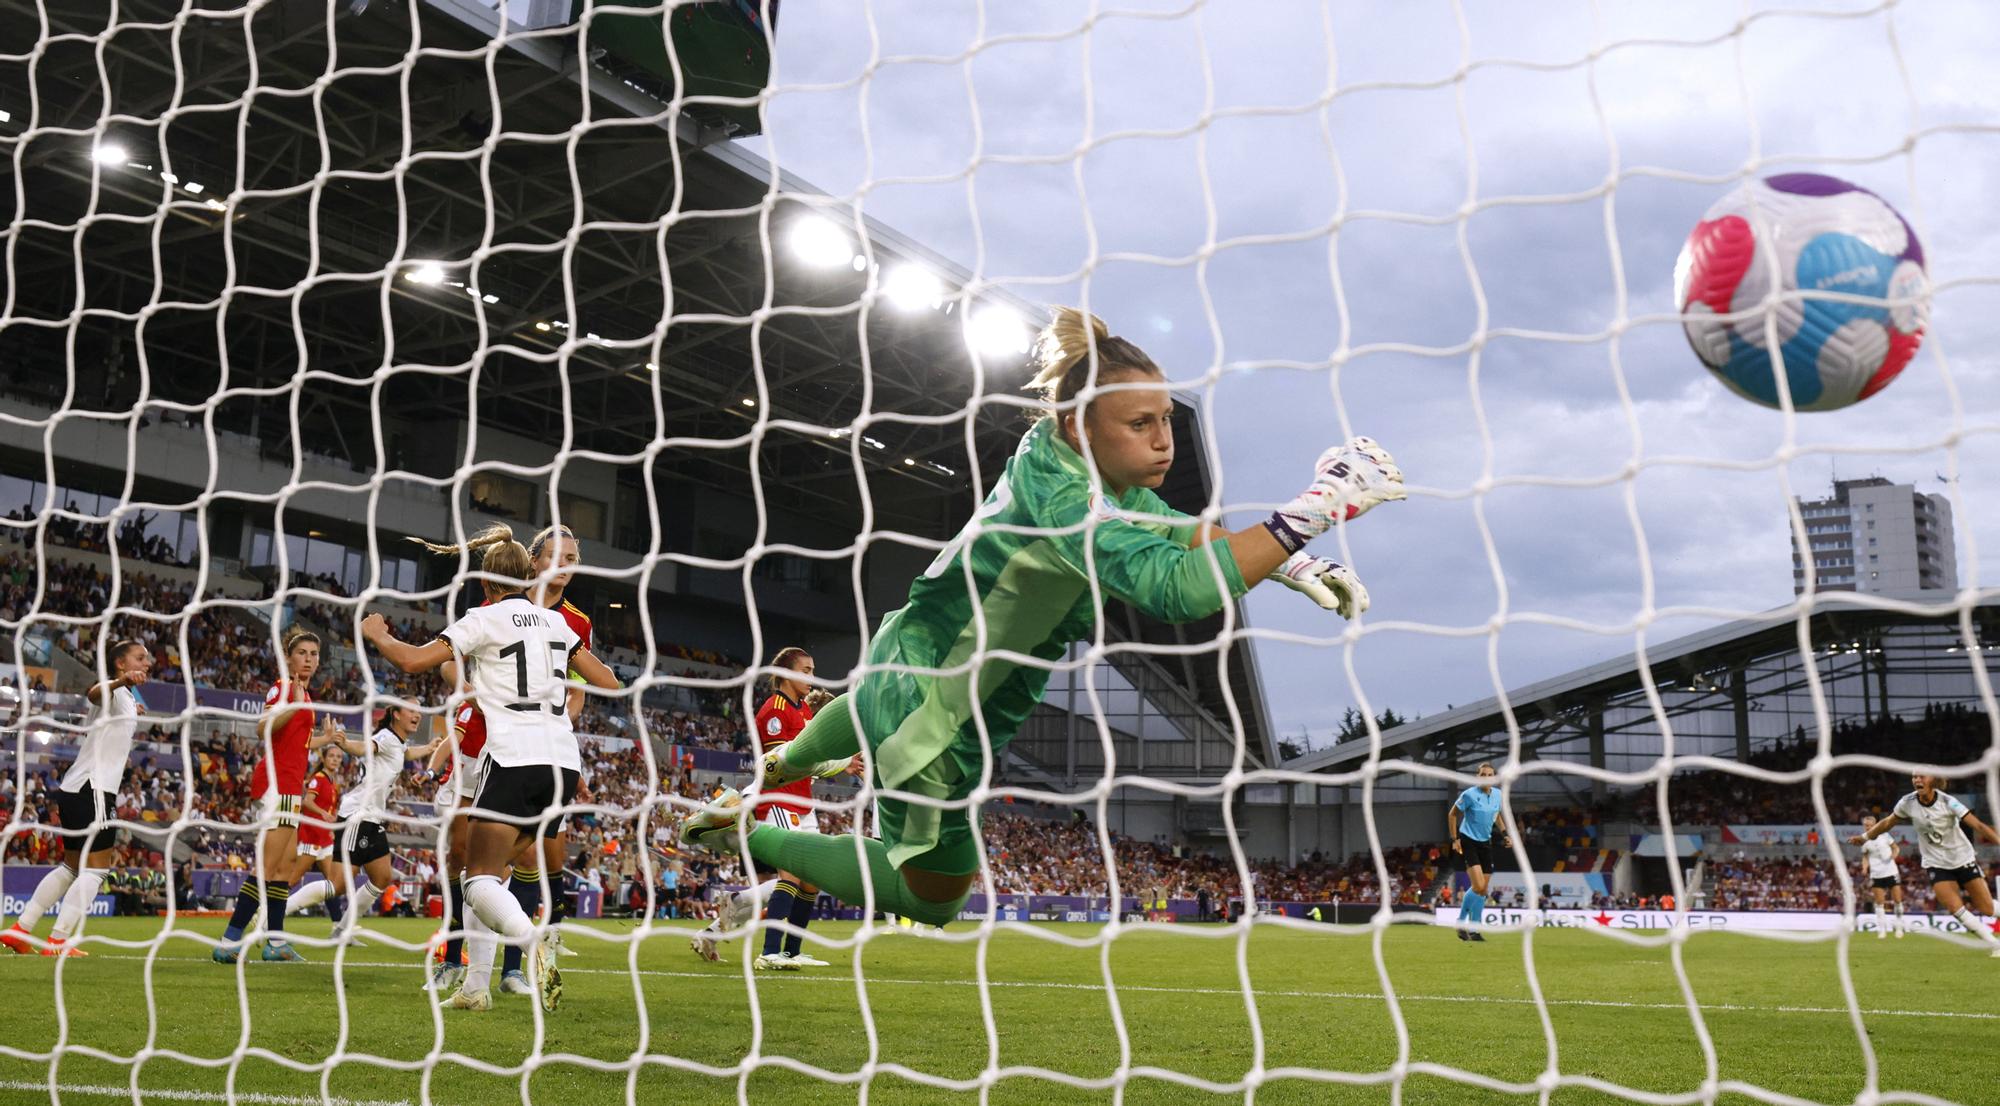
(1773, 1011)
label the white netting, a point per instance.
(289, 282)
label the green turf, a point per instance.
(1773, 1009)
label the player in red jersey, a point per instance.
(553, 550)
(788, 899)
(779, 720)
(279, 780)
(317, 833)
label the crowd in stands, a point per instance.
(131, 538)
(634, 855)
(1063, 856)
(154, 793)
(1773, 883)
(701, 656)
(1946, 734)
(230, 648)
(226, 650)
(1805, 883)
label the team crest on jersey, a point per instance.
(775, 726)
(1103, 508)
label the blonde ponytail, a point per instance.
(503, 557)
(1063, 356)
(492, 535)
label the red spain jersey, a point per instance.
(470, 726)
(578, 621)
(288, 744)
(325, 795)
(779, 720)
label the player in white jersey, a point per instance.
(1884, 878)
(518, 655)
(86, 800)
(1941, 822)
(361, 842)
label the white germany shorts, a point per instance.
(283, 808)
(468, 773)
(789, 819)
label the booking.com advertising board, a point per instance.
(1717, 920)
(17, 886)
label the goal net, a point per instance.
(745, 302)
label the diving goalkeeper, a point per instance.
(1028, 559)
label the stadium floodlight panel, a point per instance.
(425, 272)
(998, 331)
(815, 240)
(109, 154)
(911, 286)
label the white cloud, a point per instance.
(1815, 88)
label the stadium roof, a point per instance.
(627, 246)
(1552, 712)
(396, 193)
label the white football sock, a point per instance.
(479, 948)
(492, 908)
(1900, 922)
(1973, 925)
(360, 904)
(494, 905)
(1881, 920)
(309, 896)
(76, 903)
(744, 906)
(47, 893)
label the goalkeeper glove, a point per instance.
(1347, 481)
(1333, 586)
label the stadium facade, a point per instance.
(283, 381)
(280, 376)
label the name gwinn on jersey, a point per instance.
(520, 656)
(1941, 840)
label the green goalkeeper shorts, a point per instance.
(919, 834)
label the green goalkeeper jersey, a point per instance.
(1016, 584)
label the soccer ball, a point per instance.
(1819, 234)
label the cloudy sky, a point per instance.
(1010, 146)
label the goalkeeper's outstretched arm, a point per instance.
(1177, 581)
